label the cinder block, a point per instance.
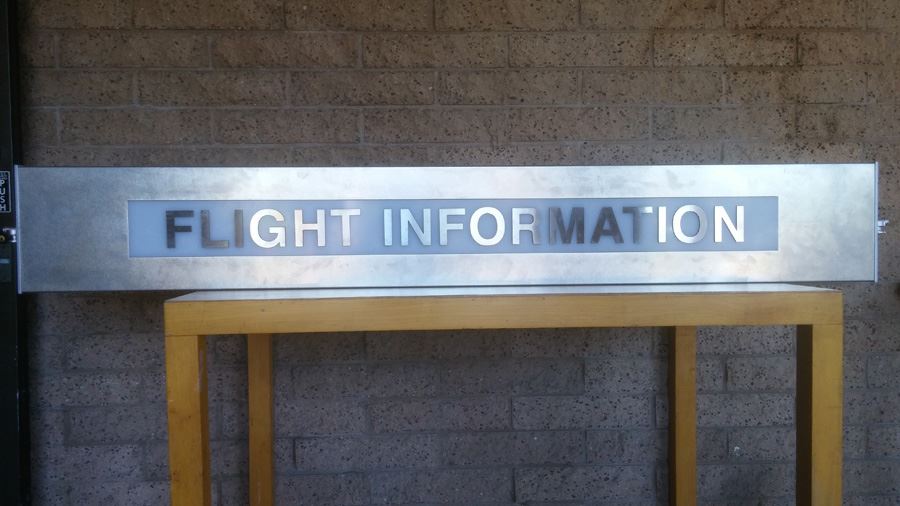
(651, 152)
(792, 152)
(363, 453)
(362, 88)
(219, 156)
(761, 373)
(854, 371)
(307, 417)
(650, 87)
(589, 411)
(77, 13)
(126, 352)
(872, 301)
(84, 314)
(46, 352)
(228, 458)
(762, 444)
(382, 15)
(871, 500)
(462, 486)
(796, 14)
(134, 126)
(286, 126)
(744, 410)
(38, 155)
(842, 48)
(795, 86)
(889, 265)
(433, 125)
(775, 123)
(883, 442)
(584, 483)
(883, 14)
(330, 347)
(228, 382)
(854, 442)
(435, 50)
(65, 87)
(535, 343)
(580, 49)
(285, 49)
(661, 411)
(745, 340)
(878, 477)
(39, 126)
(513, 448)
(884, 85)
(48, 429)
(350, 489)
(209, 14)
(510, 154)
(46, 493)
(487, 87)
(87, 389)
(116, 424)
(316, 381)
(38, 48)
(512, 377)
(133, 49)
(649, 14)
(848, 122)
(578, 123)
(624, 376)
(466, 414)
(212, 88)
(569, 343)
(627, 447)
(144, 493)
(234, 491)
(710, 375)
(82, 463)
(228, 350)
(479, 15)
(884, 370)
(720, 48)
(359, 156)
(712, 445)
(719, 481)
(870, 336)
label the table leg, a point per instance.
(186, 396)
(820, 434)
(683, 416)
(259, 372)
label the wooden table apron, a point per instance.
(817, 313)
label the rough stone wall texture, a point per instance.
(572, 417)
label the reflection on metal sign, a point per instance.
(235, 228)
(4, 192)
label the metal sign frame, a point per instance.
(75, 225)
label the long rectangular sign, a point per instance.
(217, 228)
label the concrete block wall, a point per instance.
(575, 417)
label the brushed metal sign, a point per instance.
(236, 228)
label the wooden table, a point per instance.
(259, 314)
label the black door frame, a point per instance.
(15, 486)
